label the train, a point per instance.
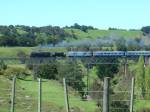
(90, 54)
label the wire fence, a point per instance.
(27, 98)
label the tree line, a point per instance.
(21, 35)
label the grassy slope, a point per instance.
(13, 51)
(4, 94)
(50, 94)
(142, 104)
(104, 33)
(53, 97)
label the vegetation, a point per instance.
(107, 70)
(20, 35)
(47, 71)
(142, 79)
(52, 98)
(30, 36)
(146, 30)
(74, 71)
(140, 76)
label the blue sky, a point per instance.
(102, 14)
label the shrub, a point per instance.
(19, 72)
(3, 66)
(74, 73)
(22, 55)
(47, 71)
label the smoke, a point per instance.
(107, 42)
(87, 42)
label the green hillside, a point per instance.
(53, 94)
(15, 51)
(26, 36)
(104, 33)
(52, 98)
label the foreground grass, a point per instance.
(141, 104)
(52, 97)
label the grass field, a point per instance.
(14, 51)
(52, 98)
(104, 33)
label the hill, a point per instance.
(20, 35)
(52, 97)
(97, 33)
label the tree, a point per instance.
(3, 66)
(146, 30)
(74, 72)
(121, 44)
(140, 76)
(47, 71)
(41, 38)
(24, 41)
(76, 26)
(53, 39)
(8, 41)
(107, 70)
(20, 72)
(22, 55)
(21, 35)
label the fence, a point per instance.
(107, 101)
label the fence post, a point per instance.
(132, 95)
(40, 95)
(87, 93)
(125, 66)
(13, 95)
(66, 95)
(106, 95)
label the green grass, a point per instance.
(104, 33)
(52, 98)
(20, 31)
(91, 34)
(13, 51)
(4, 94)
(142, 104)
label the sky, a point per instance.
(126, 14)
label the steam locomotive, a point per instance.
(90, 54)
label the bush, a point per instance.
(47, 71)
(74, 73)
(19, 72)
(3, 66)
(22, 55)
